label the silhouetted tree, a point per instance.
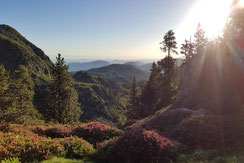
(63, 105)
(150, 93)
(169, 43)
(187, 49)
(167, 66)
(200, 40)
(133, 100)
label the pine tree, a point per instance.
(133, 101)
(167, 67)
(4, 86)
(169, 43)
(22, 110)
(187, 49)
(63, 105)
(200, 40)
(150, 93)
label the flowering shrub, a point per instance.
(58, 131)
(94, 132)
(40, 130)
(16, 129)
(200, 131)
(138, 146)
(76, 147)
(18, 141)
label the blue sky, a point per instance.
(96, 29)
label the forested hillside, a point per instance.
(183, 111)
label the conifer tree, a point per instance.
(200, 40)
(22, 110)
(133, 101)
(187, 49)
(63, 106)
(169, 43)
(4, 86)
(167, 66)
(150, 93)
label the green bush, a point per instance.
(76, 147)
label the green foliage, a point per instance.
(21, 92)
(119, 72)
(11, 160)
(133, 101)
(16, 50)
(209, 156)
(63, 105)
(4, 87)
(76, 147)
(95, 132)
(64, 160)
(150, 93)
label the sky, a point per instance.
(97, 29)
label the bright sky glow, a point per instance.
(212, 14)
(111, 29)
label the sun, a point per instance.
(211, 14)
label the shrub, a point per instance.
(200, 131)
(16, 129)
(28, 148)
(58, 131)
(40, 130)
(138, 146)
(94, 132)
(76, 147)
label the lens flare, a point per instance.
(212, 14)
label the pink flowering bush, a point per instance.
(200, 131)
(28, 147)
(58, 131)
(40, 130)
(76, 147)
(94, 132)
(138, 146)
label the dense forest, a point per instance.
(191, 112)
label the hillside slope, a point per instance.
(87, 65)
(16, 50)
(119, 73)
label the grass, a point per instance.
(64, 160)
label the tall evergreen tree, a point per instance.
(4, 86)
(167, 66)
(150, 93)
(21, 92)
(133, 101)
(169, 43)
(200, 39)
(187, 49)
(63, 105)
